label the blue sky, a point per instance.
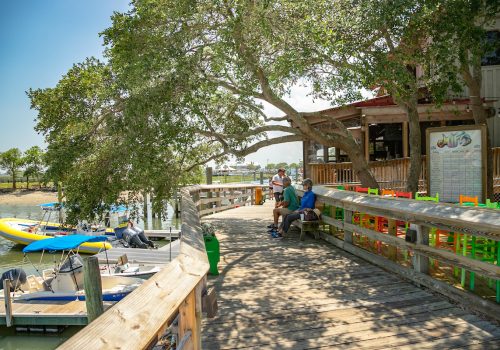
(39, 42)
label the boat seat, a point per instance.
(34, 283)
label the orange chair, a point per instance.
(466, 200)
(388, 193)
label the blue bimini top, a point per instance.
(62, 243)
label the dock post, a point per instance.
(8, 302)
(421, 262)
(93, 288)
(176, 203)
(208, 173)
(261, 178)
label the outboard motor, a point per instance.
(17, 277)
(142, 236)
(132, 238)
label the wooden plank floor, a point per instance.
(287, 294)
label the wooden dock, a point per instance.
(159, 256)
(48, 313)
(162, 234)
(288, 294)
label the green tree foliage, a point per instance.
(11, 160)
(33, 159)
(98, 151)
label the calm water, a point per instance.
(11, 256)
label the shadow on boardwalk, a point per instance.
(287, 294)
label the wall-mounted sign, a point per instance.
(456, 162)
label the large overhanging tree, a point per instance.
(186, 81)
(219, 61)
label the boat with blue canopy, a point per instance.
(65, 280)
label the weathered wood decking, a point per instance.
(287, 294)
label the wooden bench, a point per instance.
(307, 226)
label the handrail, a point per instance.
(140, 319)
(424, 215)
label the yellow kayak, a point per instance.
(24, 231)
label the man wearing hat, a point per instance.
(307, 203)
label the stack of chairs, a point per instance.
(477, 247)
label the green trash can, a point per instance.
(213, 253)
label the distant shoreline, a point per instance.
(27, 197)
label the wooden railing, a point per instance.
(388, 173)
(141, 318)
(214, 198)
(473, 222)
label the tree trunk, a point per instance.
(27, 182)
(474, 81)
(14, 180)
(415, 146)
(362, 169)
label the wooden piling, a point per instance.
(93, 288)
(8, 302)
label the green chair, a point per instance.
(427, 198)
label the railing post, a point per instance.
(189, 322)
(347, 220)
(392, 230)
(93, 288)
(8, 302)
(420, 262)
(252, 195)
(333, 211)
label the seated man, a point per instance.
(306, 203)
(288, 205)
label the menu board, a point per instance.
(456, 162)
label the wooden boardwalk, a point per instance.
(287, 294)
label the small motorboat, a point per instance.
(65, 281)
(123, 268)
(25, 231)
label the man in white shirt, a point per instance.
(278, 186)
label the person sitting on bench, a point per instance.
(288, 205)
(307, 203)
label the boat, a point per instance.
(25, 231)
(65, 281)
(132, 270)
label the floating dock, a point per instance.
(162, 234)
(161, 256)
(47, 313)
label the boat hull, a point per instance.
(10, 229)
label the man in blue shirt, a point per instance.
(306, 203)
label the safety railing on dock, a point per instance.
(141, 318)
(469, 224)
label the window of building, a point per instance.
(492, 57)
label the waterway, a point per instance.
(11, 256)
